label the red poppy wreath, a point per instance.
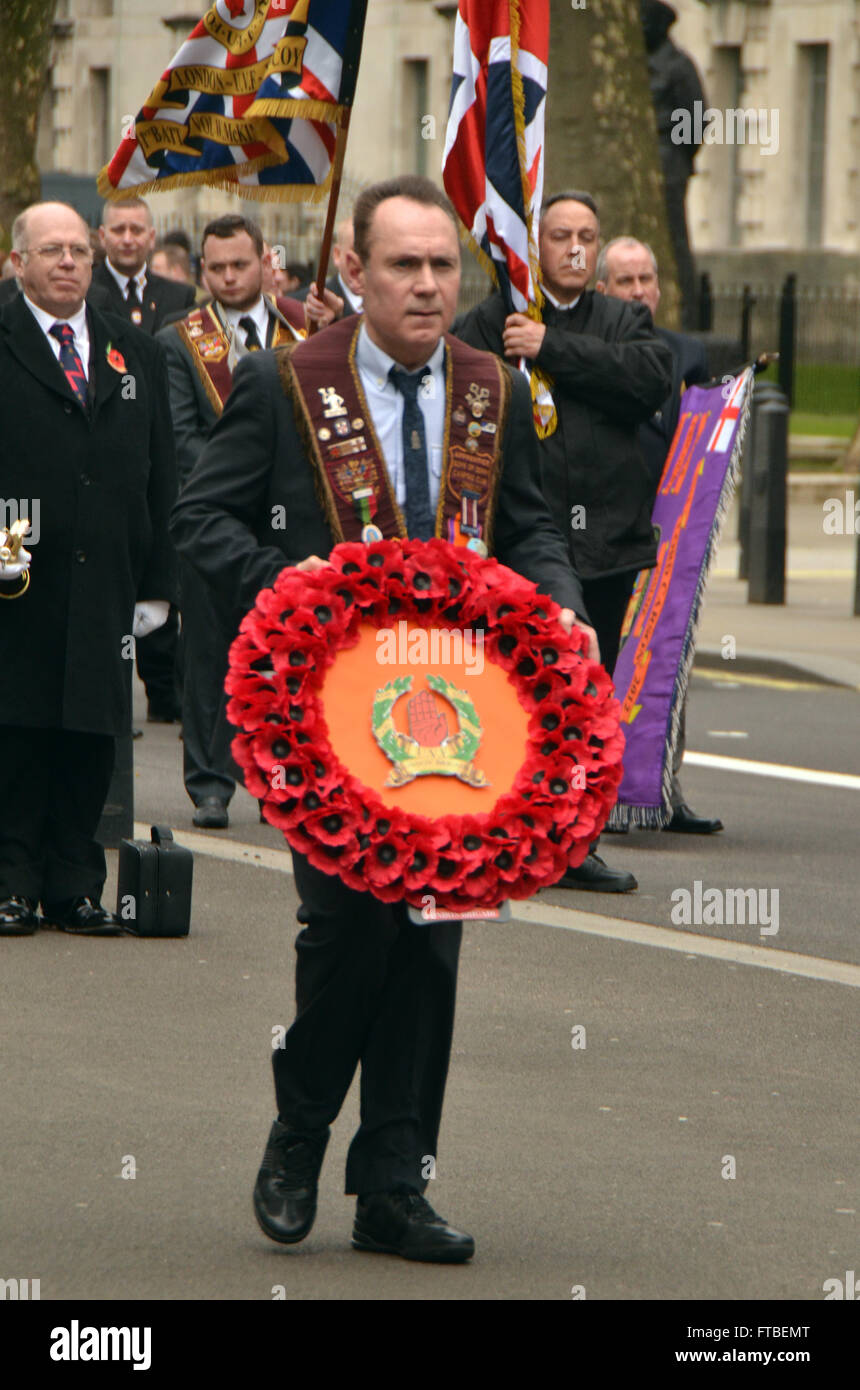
(473, 798)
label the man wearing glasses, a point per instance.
(87, 448)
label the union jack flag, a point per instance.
(251, 103)
(724, 431)
(492, 167)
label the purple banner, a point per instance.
(659, 629)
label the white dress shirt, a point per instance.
(386, 410)
(259, 312)
(122, 280)
(564, 307)
(78, 324)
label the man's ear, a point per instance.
(601, 286)
(102, 241)
(354, 268)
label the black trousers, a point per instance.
(157, 665)
(606, 601)
(208, 767)
(376, 989)
(57, 782)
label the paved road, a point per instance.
(599, 1167)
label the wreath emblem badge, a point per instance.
(428, 749)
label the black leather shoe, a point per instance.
(596, 877)
(686, 822)
(404, 1223)
(84, 917)
(285, 1194)
(18, 916)
(211, 814)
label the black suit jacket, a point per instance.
(98, 486)
(689, 368)
(161, 297)
(191, 409)
(8, 290)
(254, 463)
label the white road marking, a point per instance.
(541, 914)
(727, 733)
(719, 762)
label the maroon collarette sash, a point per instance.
(203, 334)
(321, 379)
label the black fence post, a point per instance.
(747, 305)
(767, 524)
(787, 317)
(706, 303)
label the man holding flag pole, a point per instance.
(596, 371)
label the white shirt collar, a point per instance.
(46, 321)
(354, 301)
(122, 280)
(371, 359)
(259, 312)
(564, 307)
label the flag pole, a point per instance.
(351, 59)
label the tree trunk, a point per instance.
(27, 30)
(601, 135)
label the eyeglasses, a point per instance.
(51, 254)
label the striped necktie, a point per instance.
(70, 361)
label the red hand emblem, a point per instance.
(427, 724)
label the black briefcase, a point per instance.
(154, 885)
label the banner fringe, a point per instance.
(653, 817)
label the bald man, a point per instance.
(87, 455)
(342, 283)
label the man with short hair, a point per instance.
(123, 285)
(171, 262)
(202, 351)
(89, 443)
(607, 372)
(372, 987)
(342, 282)
(627, 269)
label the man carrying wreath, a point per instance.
(350, 426)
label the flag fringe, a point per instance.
(208, 178)
(288, 108)
(654, 817)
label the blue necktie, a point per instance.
(420, 523)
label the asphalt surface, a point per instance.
(598, 1167)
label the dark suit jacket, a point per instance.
(689, 368)
(191, 409)
(161, 297)
(8, 290)
(254, 461)
(99, 484)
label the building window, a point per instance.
(415, 105)
(726, 93)
(100, 142)
(813, 75)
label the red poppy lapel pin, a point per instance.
(115, 358)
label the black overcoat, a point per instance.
(100, 485)
(610, 373)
